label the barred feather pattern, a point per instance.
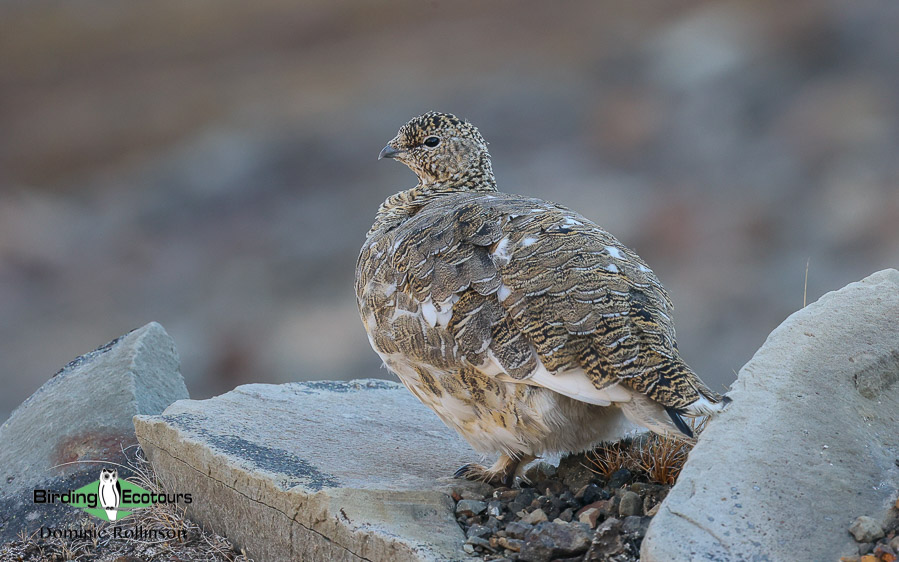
(522, 324)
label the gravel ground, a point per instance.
(876, 542)
(594, 506)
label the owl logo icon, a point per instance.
(110, 492)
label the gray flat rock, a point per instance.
(60, 436)
(310, 471)
(809, 444)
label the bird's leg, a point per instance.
(502, 472)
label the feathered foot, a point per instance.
(502, 473)
(702, 407)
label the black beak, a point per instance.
(388, 152)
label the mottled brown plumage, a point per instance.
(524, 325)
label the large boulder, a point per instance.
(810, 442)
(81, 420)
(314, 471)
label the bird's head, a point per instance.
(442, 149)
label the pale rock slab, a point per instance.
(312, 471)
(61, 436)
(810, 442)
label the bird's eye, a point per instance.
(431, 142)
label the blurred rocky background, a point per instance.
(211, 165)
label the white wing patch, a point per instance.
(500, 253)
(572, 383)
(615, 253)
(440, 314)
(429, 312)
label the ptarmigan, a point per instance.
(526, 327)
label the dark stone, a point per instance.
(536, 550)
(480, 542)
(607, 541)
(594, 493)
(558, 502)
(518, 530)
(542, 502)
(549, 540)
(515, 545)
(620, 477)
(470, 507)
(477, 530)
(636, 526)
(569, 500)
(553, 513)
(524, 499)
(884, 552)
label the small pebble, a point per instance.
(620, 477)
(534, 517)
(635, 525)
(594, 493)
(481, 542)
(524, 499)
(518, 529)
(569, 500)
(884, 553)
(866, 529)
(589, 516)
(477, 530)
(470, 507)
(512, 544)
(631, 504)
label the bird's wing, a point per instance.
(533, 292)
